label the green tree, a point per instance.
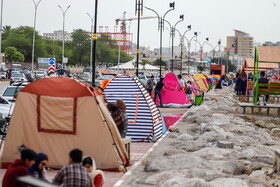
(144, 62)
(13, 55)
(6, 31)
(81, 45)
(21, 38)
(200, 68)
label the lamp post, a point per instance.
(228, 51)
(138, 8)
(201, 47)
(91, 40)
(1, 31)
(34, 31)
(94, 45)
(181, 43)
(172, 28)
(189, 48)
(63, 13)
(213, 49)
(161, 27)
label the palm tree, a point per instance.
(6, 31)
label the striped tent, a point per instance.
(145, 122)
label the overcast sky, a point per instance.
(213, 18)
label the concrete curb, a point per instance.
(129, 172)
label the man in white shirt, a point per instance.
(181, 82)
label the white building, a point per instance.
(58, 35)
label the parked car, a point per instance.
(101, 78)
(18, 77)
(4, 124)
(12, 90)
(84, 77)
(40, 74)
(3, 75)
(6, 110)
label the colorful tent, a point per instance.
(172, 97)
(200, 80)
(55, 115)
(145, 123)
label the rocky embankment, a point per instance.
(214, 145)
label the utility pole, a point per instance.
(94, 45)
(138, 8)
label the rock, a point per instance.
(174, 129)
(151, 168)
(179, 182)
(270, 126)
(260, 124)
(209, 136)
(228, 182)
(276, 165)
(225, 145)
(202, 127)
(172, 135)
(185, 137)
(233, 168)
(171, 152)
(276, 132)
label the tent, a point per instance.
(131, 66)
(55, 115)
(201, 83)
(144, 118)
(194, 86)
(172, 97)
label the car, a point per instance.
(40, 74)
(6, 110)
(3, 75)
(4, 124)
(10, 92)
(29, 77)
(101, 78)
(17, 77)
(84, 77)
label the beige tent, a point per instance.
(56, 115)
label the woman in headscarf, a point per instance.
(122, 107)
(38, 169)
(243, 82)
(97, 176)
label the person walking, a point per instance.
(243, 82)
(181, 82)
(158, 88)
(38, 169)
(19, 168)
(150, 84)
(97, 176)
(73, 174)
(122, 108)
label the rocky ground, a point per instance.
(214, 145)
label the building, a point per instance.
(240, 44)
(58, 35)
(269, 43)
(144, 52)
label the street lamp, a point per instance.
(33, 48)
(213, 48)
(201, 47)
(173, 34)
(160, 27)
(228, 51)
(63, 12)
(94, 45)
(181, 43)
(189, 48)
(91, 40)
(1, 30)
(138, 8)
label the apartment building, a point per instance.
(241, 44)
(58, 35)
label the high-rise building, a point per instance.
(241, 44)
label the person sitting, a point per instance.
(73, 174)
(122, 107)
(38, 169)
(189, 89)
(117, 116)
(266, 81)
(97, 176)
(223, 82)
(19, 168)
(219, 84)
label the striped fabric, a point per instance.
(148, 122)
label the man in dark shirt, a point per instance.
(263, 80)
(158, 88)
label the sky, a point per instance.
(215, 19)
